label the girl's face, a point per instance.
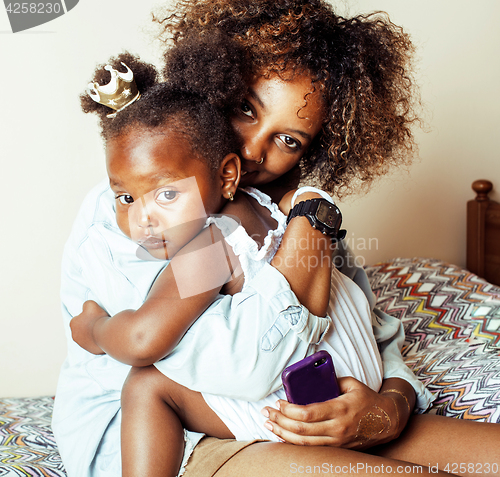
(163, 192)
(277, 122)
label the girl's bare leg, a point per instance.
(456, 445)
(154, 412)
(267, 459)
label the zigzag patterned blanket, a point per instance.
(452, 321)
(27, 446)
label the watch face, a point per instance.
(329, 215)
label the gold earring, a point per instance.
(261, 161)
(230, 196)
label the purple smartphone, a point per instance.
(311, 379)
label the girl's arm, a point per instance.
(142, 337)
(252, 336)
(178, 297)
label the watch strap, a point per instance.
(306, 189)
(308, 209)
(303, 209)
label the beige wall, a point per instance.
(51, 155)
(422, 213)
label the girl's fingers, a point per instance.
(91, 310)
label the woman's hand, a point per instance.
(82, 326)
(358, 419)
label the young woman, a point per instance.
(351, 97)
(353, 75)
(330, 99)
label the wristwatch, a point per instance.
(322, 215)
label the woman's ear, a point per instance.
(230, 173)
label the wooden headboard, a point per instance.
(483, 233)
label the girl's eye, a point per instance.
(246, 109)
(125, 199)
(289, 141)
(166, 196)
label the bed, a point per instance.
(452, 321)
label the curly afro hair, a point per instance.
(196, 110)
(361, 64)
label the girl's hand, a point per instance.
(359, 418)
(82, 326)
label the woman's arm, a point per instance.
(305, 258)
(359, 399)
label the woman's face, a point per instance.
(277, 122)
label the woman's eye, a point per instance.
(125, 199)
(166, 196)
(289, 141)
(246, 109)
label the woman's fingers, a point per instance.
(304, 425)
(297, 426)
(339, 431)
(299, 439)
(339, 422)
(316, 412)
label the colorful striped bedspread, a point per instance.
(452, 322)
(27, 446)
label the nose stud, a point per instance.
(261, 161)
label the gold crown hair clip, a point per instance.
(119, 93)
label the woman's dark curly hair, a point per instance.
(361, 65)
(197, 111)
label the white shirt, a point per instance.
(100, 263)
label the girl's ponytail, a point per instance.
(145, 76)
